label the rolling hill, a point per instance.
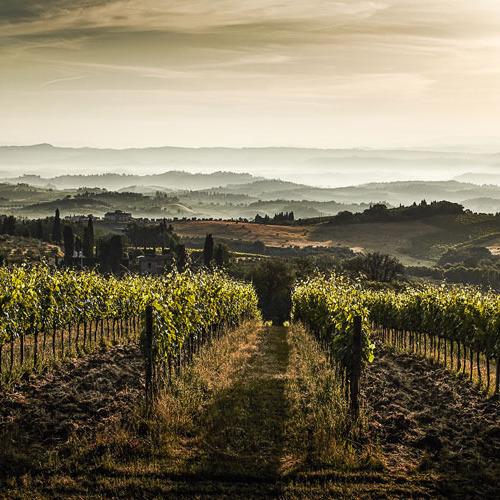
(320, 167)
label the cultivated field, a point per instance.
(257, 415)
(270, 235)
(394, 238)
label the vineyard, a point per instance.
(456, 326)
(48, 314)
(172, 386)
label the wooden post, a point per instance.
(35, 349)
(69, 338)
(148, 357)
(11, 355)
(471, 353)
(464, 364)
(497, 375)
(54, 331)
(356, 367)
(478, 363)
(21, 337)
(487, 374)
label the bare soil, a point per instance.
(427, 420)
(79, 397)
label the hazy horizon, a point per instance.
(313, 167)
(480, 145)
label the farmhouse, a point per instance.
(118, 216)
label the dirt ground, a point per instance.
(81, 396)
(427, 420)
(438, 436)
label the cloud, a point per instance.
(60, 80)
(22, 11)
(376, 58)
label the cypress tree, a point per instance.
(78, 245)
(90, 227)
(69, 243)
(9, 225)
(88, 239)
(110, 251)
(56, 230)
(219, 256)
(39, 229)
(208, 250)
(222, 254)
(180, 250)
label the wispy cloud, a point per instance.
(358, 58)
(60, 80)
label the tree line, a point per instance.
(276, 219)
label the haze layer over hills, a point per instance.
(317, 167)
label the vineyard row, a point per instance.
(48, 314)
(458, 326)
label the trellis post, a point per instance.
(356, 367)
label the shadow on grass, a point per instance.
(243, 432)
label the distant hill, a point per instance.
(479, 177)
(417, 235)
(236, 195)
(312, 166)
(168, 181)
(393, 193)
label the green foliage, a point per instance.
(187, 304)
(38, 298)
(69, 242)
(327, 307)
(88, 239)
(273, 279)
(380, 213)
(56, 229)
(110, 251)
(151, 235)
(462, 314)
(222, 255)
(485, 275)
(180, 251)
(376, 266)
(469, 256)
(208, 250)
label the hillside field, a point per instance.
(414, 242)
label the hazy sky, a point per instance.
(256, 72)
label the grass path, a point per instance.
(243, 434)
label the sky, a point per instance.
(308, 73)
